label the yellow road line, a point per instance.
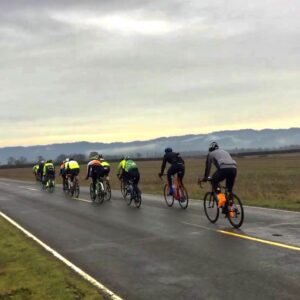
(247, 237)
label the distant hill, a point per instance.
(238, 140)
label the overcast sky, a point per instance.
(125, 70)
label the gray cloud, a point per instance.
(124, 62)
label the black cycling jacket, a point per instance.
(172, 158)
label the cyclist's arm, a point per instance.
(88, 171)
(120, 168)
(163, 165)
(207, 166)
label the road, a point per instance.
(157, 252)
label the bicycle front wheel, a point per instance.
(184, 197)
(168, 198)
(235, 212)
(211, 208)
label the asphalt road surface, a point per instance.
(157, 252)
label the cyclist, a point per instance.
(226, 168)
(48, 172)
(94, 170)
(40, 170)
(72, 169)
(177, 167)
(35, 171)
(105, 166)
(128, 170)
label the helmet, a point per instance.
(168, 150)
(67, 159)
(125, 157)
(71, 159)
(213, 146)
(100, 156)
(49, 161)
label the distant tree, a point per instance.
(79, 157)
(40, 157)
(22, 160)
(60, 158)
(93, 153)
(11, 161)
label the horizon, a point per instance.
(134, 70)
(155, 138)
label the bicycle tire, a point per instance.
(100, 193)
(76, 190)
(107, 191)
(129, 196)
(138, 198)
(92, 194)
(123, 189)
(169, 199)
(238, 210)
(184, 199)
(50, 186)
(211, 207)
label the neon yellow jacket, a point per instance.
(46, 166)
(73, 164)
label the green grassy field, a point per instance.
(268, 181)
(29, 272)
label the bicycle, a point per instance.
(49, 185)
(73, 186)
(99, 192)
(132, 193)
(179, 193)
(232, 206)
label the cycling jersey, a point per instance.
(126, 166)
(48, 169)
(221, 159)
(172, 158)
(73, 164)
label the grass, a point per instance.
(29, 272)
(268, 181)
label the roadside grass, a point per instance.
(29, 272)
(267, 181)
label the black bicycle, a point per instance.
(99, 192)
(132, 193)
(231, 206)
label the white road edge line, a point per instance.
(86, 276)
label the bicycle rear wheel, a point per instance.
(184, 197)
(168, 198)
(211, 208)
(92, 193)
(107, 191)
(123, 189)
(100, 192)
(137, 198)
(235, 212)
(76, 189)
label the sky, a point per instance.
(126, 70)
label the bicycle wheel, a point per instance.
(211, 208)
(107, 195)
(123, 189)
(137, 198)
(50, 186)
(129, 195)
(235, 212)
(100, 192)
(168, 198)
(184, 197)
(76, 189)
(92, 193)
(65, 187)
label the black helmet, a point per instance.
(213, 146)
(168, 150)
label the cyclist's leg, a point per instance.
(180, 173)
(172, 171)
(217, 177)
(230, 179)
